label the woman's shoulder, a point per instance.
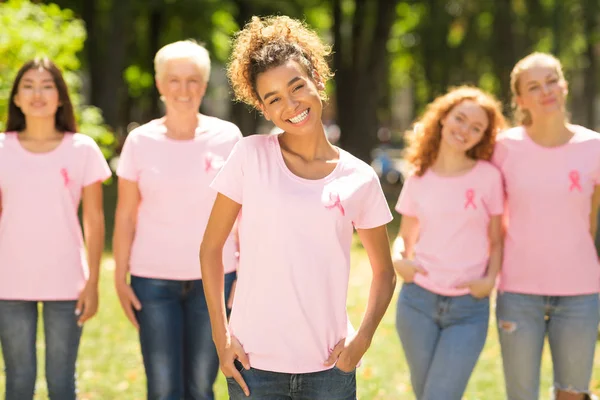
(515, 134)
(222, 127)
(583, 134)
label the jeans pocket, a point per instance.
(337, 369)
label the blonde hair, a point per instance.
(269, 42)
(183, 50)
(424, 140)
(523, 117)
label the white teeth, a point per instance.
(183, 99)
(460, 138)
(300, 117)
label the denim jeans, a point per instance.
(442, 338)
(331, 384)
(571, 323)
(179, 355)
(18, 328)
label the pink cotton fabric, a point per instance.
(454, 215)
(549, 249)
(289, 309)
(42, 253)
(173, 177)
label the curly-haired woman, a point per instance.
(449, 248)
(301, 199)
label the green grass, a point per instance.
(110, 365)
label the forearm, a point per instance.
(122, 242)
(495, 262)
(380, 295)
(211, 262)
(94, 231)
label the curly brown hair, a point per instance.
(424, 140)
(269, 42)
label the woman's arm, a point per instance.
(222, 217)
(93, 228)
(403, 249)
(128, 201)
(376, 242)
(594, 212)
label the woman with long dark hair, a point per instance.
(46, 168)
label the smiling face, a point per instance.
(37, 95)
(464, 126)
(542, 91)
(181, 86)
(290, 98)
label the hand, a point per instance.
(481, 287)
(129, 302)
(347, 353)
(88, 302)
(231, 294)
(230, 351)
(407, 269)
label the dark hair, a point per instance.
(64, 118)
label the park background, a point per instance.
(390, 58)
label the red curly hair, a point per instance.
(424, 140)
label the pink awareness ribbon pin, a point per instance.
(574, 177)
(212, 162)
(470, 194)
(65, 175)
(335, 198)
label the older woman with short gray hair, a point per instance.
(163, 206)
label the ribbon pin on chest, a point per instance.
(335, 202)
(470, 196)
(574, 178)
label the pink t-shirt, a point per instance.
(289, 308)
(173, 177)
(454, 215)
(42, 254)
(548, 248)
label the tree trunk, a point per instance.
(242, 115)
(360, 63)
(590, 73)
(504, 55)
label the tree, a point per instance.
(361, 30)
(32, 30)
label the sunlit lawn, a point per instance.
(110, 364)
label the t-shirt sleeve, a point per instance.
(96, 167)
(229, 180)
(128, 167)
(499, 155)
(495, 200)
(596, 171)
(406, 204)
(375, 210)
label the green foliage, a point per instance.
(33, 30)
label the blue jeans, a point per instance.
(179, 355)
(18, 328)
(331, 384)
(442, 338)
(571, 323)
